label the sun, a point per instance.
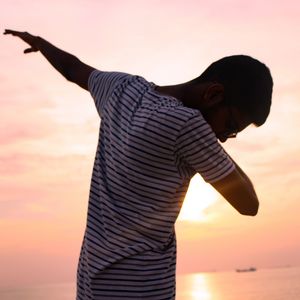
(199, 196)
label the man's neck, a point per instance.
(189, 94)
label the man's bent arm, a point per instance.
(67, 64)
(238, 190)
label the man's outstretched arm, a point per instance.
(67, 64)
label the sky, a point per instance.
(49, 128)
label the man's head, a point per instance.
(237, 92)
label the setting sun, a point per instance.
(200, 195)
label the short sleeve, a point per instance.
(102, 85)
(198, 147)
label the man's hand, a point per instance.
(27, 38)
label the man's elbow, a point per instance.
(250, 210)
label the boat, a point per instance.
(246, 270)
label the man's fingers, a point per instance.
(28, 50)
(20, 34)
(9, 31)
(26, 37)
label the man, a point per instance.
(152, 140)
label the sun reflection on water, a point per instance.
(200, 288)
(194, 287)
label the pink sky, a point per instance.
(48, 127)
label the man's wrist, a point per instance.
(37, 42)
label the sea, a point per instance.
(262, 284)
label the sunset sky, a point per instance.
(49, 128)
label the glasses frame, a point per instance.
(232, 127)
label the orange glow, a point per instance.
(200, 196)
(49, 128)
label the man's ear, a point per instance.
(214, 94)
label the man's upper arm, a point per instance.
(79, 73)
(239, 192)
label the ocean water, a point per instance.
(264, 284)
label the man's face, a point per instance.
(226, 121)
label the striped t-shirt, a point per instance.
(150, 145)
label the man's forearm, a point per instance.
(59, 59)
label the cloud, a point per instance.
(25, 208)
(44, 187)
(23, 114)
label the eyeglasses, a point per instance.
(232, 127)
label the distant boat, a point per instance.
(246, 270)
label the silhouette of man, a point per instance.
(152, 140)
